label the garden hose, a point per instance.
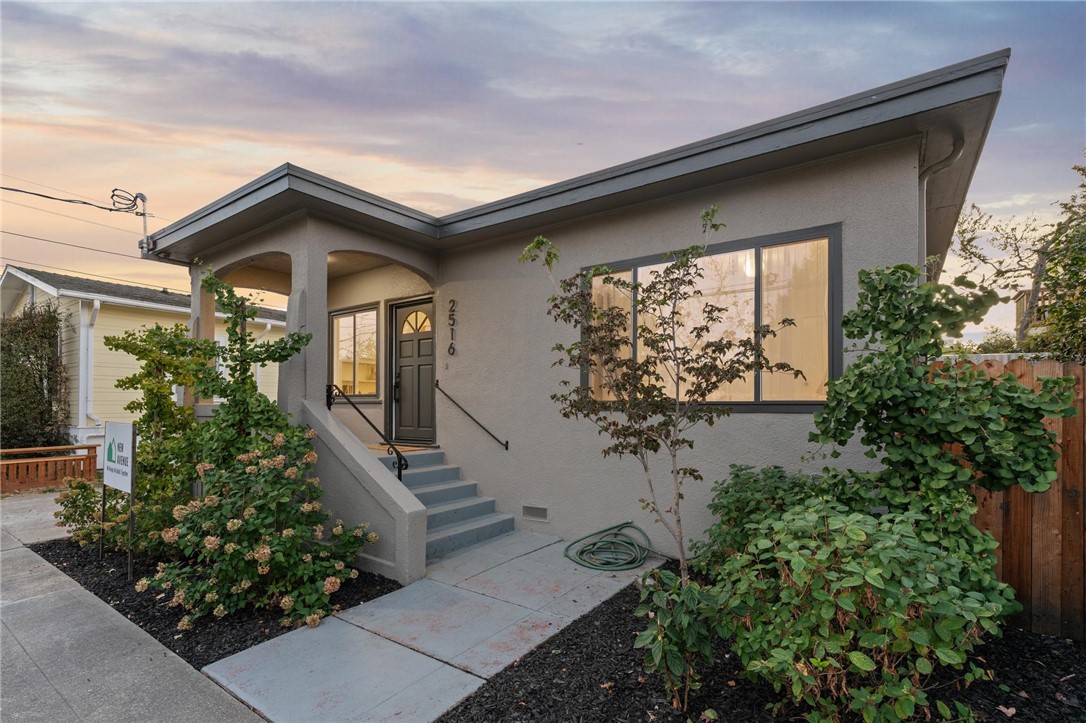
(613, 549)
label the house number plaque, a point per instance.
(452, 327)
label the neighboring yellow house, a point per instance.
(98, 309)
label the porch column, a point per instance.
(201, 326)
(306, 375)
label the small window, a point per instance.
(417, 322)
(354, 352)
(786, 276)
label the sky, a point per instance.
(444, 106)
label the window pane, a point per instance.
(354, 344)
(795, 285)
(605, 296)
(727, 282)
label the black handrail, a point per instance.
(332, 391)
(505, 444)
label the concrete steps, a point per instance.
(456, 515)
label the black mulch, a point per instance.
(210, 639)
(590, 671)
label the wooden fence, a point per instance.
(37, 472)
(1042, 538)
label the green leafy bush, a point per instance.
(34, 405)
(849, 611)
(682, 624)
(168, 443)
(259, 537)
(936, 426)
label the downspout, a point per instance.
(922, 205)
(89, 356)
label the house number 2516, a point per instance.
(452, 327)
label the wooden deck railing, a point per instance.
(40, 471)
(1042, 538)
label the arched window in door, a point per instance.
(417, 322)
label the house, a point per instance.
(422, 321)
(97, 309)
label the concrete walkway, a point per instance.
(408, 656)
(413, 654)
(67, 656)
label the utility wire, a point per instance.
(8, 259)
(123, 201)
(74, 246)
(74, 218)
(51, 188)
(73, 193)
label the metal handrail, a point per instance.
(505, 444)
(332, 391)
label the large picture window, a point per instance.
(761, 281)
(354, 352)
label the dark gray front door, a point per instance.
(413, 385)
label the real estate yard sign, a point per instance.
(119, 472)
(120, 456)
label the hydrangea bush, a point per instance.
(259, 537)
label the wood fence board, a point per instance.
(1072, 552)
(24, 474)
(990, 517)
(1046, 545)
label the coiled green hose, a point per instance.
(613, 550)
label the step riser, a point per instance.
(446, 494)
(443, 545)
(417, 477)
(440, 518)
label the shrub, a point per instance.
(846, 610)
(259, 537)
(682, 622)
(34, 405)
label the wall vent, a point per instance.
(538, 514)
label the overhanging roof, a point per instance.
(16, 280)
(949, 106)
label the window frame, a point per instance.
(377, 359)
(835, 333)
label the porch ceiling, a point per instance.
(956, 103)
(339, 264)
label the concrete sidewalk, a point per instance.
(408, 656)
(413, 654)
(67, 656)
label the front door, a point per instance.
(413, 382)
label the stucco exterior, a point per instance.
(503, 362)
(885, 171)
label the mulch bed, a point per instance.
(590, 671)
(211, 639)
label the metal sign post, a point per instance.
(119, 472)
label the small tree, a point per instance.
(647, 403)
(1064, 280)
(166, 455)
(34, 403)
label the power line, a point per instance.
(73, 193)
(123, 201)
(97, 276)
(74, 218)
(74, 246)
(51, 188)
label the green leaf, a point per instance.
(861, 661)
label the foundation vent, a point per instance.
(538, 514)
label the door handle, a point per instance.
(396, 389)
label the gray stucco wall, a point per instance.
(502, 369)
